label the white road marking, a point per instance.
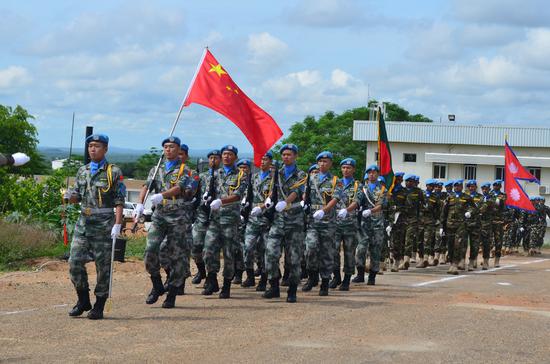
(16, 312)
(504, 284)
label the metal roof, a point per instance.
(434, 133)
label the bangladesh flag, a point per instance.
(384, 153)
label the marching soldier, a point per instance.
(173, 186)
(99, 189)
(396, 227)
(498, 220)
(486, 212)
(244, 166)
(430, 219)
(473, 228)
(224, 223)
(414, 199)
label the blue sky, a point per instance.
(124, 66)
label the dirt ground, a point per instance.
(495, 316)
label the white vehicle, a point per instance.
(128, 211)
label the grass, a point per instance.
(135, 247)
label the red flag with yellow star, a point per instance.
(213, 87)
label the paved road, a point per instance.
(498, 316)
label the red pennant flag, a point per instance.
(213, 87)
(513, 172)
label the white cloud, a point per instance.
(14, 76)
(340, 78)
(266, 50)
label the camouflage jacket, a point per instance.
(500, 207)
(486, 209)
(475, 220)
(232, 183)
(367, 199)
(413, 203)
(105, 189)
(430, 209)
(349, 193)
(455, 207)
(397, 204)
(294, 183)
(260, 189)
(322, 192)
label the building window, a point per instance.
(470, 171)
(499, 172)
(535, 171)
(376, 156)
(409, 157)
(440, 171)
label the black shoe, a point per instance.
(201, 274)
(284, 281)
(238, 277)
(211, 285)
(83, 303)
(372, 278)
(323, 290)
(345, 283)
(156, 292)
(97, 312)
(312, 281)
(360, 277)
(250, 281)
(291, 297)
(337, 280)
(273, 290)
(262, 284)
(181, 289)
(226, 289)
(170, 300)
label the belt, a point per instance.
(178, 201)
(317, 207)
(89, 211)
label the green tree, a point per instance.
(146, 162)
(18, 134)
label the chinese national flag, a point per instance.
(213, 87)
(514, 171)
(384, 153)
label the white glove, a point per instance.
(206, 197)
(497, 201)
(302, 203)
(244, 203)
(318, 215)
(256, 211)
(342, 213)
(115, 231)
(388, 230)
(156, 198)
(367, 213)
(20, 158)
(216, 204)
(521, 229)
(268, 203)
(468, 214)
(138, 211)
(280, 206)
(441, 232)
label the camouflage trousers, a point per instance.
(220, 238)
(510, 235)
(430, 247)
(497, 232)
(199, 234)
(165, 252)
(346, 237)
(536, 236)
(456, 235)
(372, 238)
(91, 241)
(169, 224)
(398, 240)
(411, 236)
(419, 245)
(239, 248)
(286, 232)
(440, 242)
(255, 237)
(473, 236)
(486, 238)
(320, 248)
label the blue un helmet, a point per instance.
(471, 182)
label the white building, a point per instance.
(58, 163)
(452, 151)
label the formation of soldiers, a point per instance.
(306, 218)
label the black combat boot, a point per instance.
(372, 278)
(157, 291)
(291, 293)
(360, 277)
(211, 285)
(345, 283)
(250, 281)
(226, 289)
(238, 277)
(96, 313)
(83, 303)
(323, 290)
(181, 289)
(261, 287)
(201, 274)
(336, 280)
(284, 281)
(273, 290)
(312, 281)
(167, 278)
(170, 300)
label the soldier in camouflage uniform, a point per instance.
(440, 247)
(498, 219)
(326, 191)
(543, 213)
(457, 208)
(173, 186)
(99, 189)
(287, 229)
(385, 250)
(396, 227)
(346, 228)
(222, 230)
(414, 199)
(244, 166)
(486, 212)
(442, 240)
(473, 228)
(203, 215)
(371, 200)
(430, 218)
(510, 229)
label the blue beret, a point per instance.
(172, 139)
(184, 147)
(230, 148)
(269, 154)
(245, 162)
(348, 162)
(430, 181)
(381, 179)
(409, 176)
(497, 182)
(533, 198)
(471, 182)
(292, 147)
(458, 182)
(449, 183)
(313, 167)
(417, 178)
(399, 174)
(439, 183)
(486, 184)
(214, 152)
(325, 154)
(372, 167)
(98, 138)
